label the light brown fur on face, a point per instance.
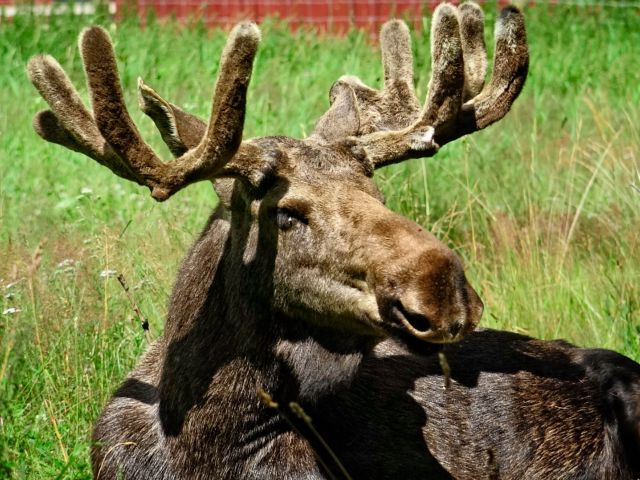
(347, 261)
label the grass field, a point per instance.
(543, 207)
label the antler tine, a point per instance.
(473, 49)
(398, 95)
(510, 68)
(179, 130)
(397, 60)
(224, 131)
(68, 123)
(391, 126)
(447, 68)
(228, 110)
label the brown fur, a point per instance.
(303, 283)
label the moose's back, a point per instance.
(513, 407)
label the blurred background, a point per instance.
(335, 16)
(543, 206)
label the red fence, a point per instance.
(333, 15)
(336, 15)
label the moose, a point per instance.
(305, 286)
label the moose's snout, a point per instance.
(426, 292)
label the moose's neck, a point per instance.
(222, 344)
(313, 363)
(220, 330)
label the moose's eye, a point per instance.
(287, 219)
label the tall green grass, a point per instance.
(542, 206)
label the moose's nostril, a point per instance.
(417, 321)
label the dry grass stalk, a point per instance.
(446, 369)
(54, 423)
(143, 320)
(32, 269)
(325, 455)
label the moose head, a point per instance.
(302, 271)
(311, 238)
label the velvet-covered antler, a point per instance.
(388, 125)
(110, 136)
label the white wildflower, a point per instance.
(67, 262)
(108, 273)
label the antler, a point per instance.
(112, 138)
(389, 125)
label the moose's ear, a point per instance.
(343, 118)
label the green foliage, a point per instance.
(541, 206)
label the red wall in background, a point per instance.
(336, 15)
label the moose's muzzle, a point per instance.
(421, 287)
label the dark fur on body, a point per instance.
(539, 410)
